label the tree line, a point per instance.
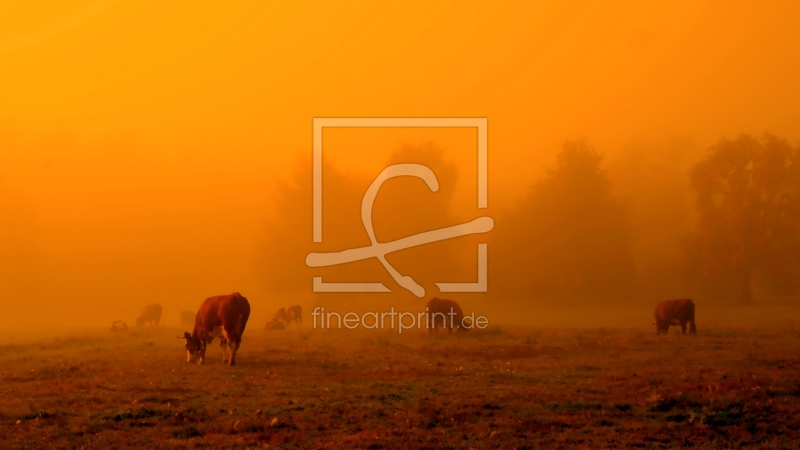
(572, 237)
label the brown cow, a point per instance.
(675, 312)
(280, 315)
(188, 317)
(294, 313)
(446, 314)
(223, 316)
(150, 313)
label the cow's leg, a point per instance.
(233, 346)
(692, 328)
(683, 327)
(202, 352)
(223, 344)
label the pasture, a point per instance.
(498, 388)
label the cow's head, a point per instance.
(140, 322)
(192, 346)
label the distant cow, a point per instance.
(151, 314)
(446, 314)
(118, 325)
(675, 312)
(223, 316)
(188, 317)
(275, 324)
(280, 315)
(294, 313)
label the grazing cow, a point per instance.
(223, 316)
(150, 313)
(446, 314)
(188, 317)
(275, 324)
(294, 313)
(675, 312)
(118, 325)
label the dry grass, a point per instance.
(510, 388)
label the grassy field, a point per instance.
(497, 388)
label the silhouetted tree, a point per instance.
(403, 207)
(288, 234)
(748, 198)
(570, 237)
(650, 177)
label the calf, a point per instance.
(223, 316)
(675, 312)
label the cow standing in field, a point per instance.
(188, 317)
(675, 312)
(280, 316)
(447, 314)
(151, 314)
(294, 313)
(223, 316)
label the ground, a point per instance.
(497, 388)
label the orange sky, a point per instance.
(138, 140)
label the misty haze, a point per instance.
(156, 202)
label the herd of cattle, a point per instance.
(225, 317)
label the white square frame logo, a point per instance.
(481, 124)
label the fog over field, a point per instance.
(642, 175)
(173, 165)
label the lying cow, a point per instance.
(446, 314)
(118, 325)
(150, 314)
(223, 316)
(275, 324)
(294, 313)
(188, 318)
(675, 312)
